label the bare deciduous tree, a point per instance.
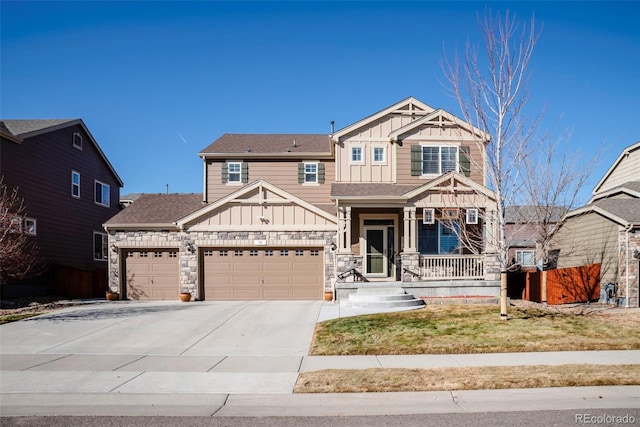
(18, 248)
(553, 179)
(491, 91)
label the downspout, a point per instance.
(204, 180)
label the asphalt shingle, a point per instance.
(269, 144)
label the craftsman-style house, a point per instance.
(70, 189)
(399, 196)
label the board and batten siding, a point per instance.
(589, 239)
(41, 167)
(282, 174)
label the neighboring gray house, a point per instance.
(607, 229)
(525, 229)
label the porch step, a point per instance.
(382, 298)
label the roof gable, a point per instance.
(452, 180)
(259, 193)
(626, 153)
(28, 128)
(439, 118)
(409, 105)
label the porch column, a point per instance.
(409, 236)
(344, 229)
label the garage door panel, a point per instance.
(152, 275)
(255, 274)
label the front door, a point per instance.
(376, 248)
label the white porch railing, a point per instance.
(451, 267)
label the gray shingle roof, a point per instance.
(524, 214)
(269, 144)
(157, 209)
(370, 190)
(21, 127)
(627, 209)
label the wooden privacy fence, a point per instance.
(564, 285)
(74, 283)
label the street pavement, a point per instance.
(238, 359)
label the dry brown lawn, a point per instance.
(472, 378)
(456, 329)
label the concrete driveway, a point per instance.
(132, 347)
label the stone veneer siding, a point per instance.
(188, 259)
(627, 259)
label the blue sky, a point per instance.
(156, 82)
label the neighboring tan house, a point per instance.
(69, 189)
(607, 230)
(286, 216)
(524, 230)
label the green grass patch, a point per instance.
(457, 329)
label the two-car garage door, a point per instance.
(229, 274)
(263, 274)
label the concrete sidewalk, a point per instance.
(44, 375)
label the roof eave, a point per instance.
(249, 155)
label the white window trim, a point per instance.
(305, 182)
(432, 214)
(362, 154)
(73, 184)
(77, 137)
(440, 147)
(472, 212)
(108, 204)
(26, 228)
(384, 155)
(239, 173)
(521, 251)
(106, 249)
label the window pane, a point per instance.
(430, 160)
(449, 158)
(378, 154)
(234, 172)
(356, 154)
(105, 195)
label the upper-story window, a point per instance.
(356, 155)
(378, 154)
(438, 160)
(77, 140)
(311, 173)
(30, 226)
(75, 184)
(102, 194)
(235, 172)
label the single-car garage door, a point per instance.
(263, 274)
(152, 274)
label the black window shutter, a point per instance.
(320, 173)
(300, 173)
(465, 160)
(225, 173)
(245, 172)
(416, 160)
